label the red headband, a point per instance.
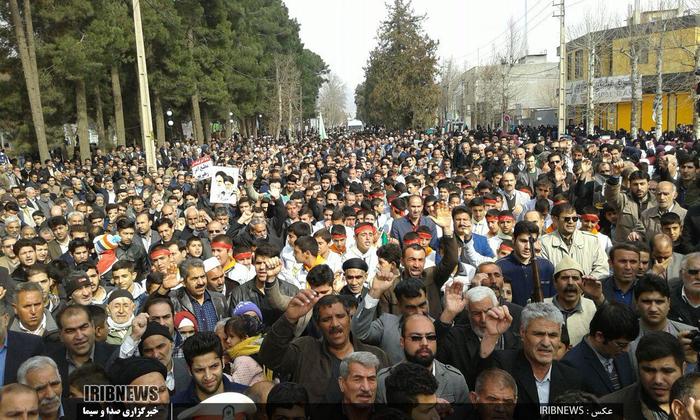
(364, 228)
(590, 218)
(243, 255)
(159, 252)
(504, 217)
(221, 245)
(412, 241)
(490, 201)
(338, 236)
(506, 247)
(556, 203)
(425, 235)
(491, 218)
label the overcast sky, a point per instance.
(343, 32)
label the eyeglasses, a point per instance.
(692, 271)
(554, 161)
(570, 219)
(418, 338)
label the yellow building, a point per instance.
(677, 36)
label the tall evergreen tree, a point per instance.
(400, 89)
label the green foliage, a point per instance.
(400, 89)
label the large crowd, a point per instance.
(472, 274)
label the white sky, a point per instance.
(343, 32)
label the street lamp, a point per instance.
(171, 123)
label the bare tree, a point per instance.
(284, 103)
(590, 36)
(506, 59)
(332, 101)
(450, 99)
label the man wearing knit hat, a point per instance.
(157, 343)
(577, 310)
(143, 371)
(120, 311)
(355, 273)
(78, 288)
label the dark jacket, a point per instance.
(20, 347)
(182, 301)
(690, 237)
(306, 360)
(105, 354)
(596, 380)
(521, 277)
(459, 347)
(249, 292)
(563, 377)
(635, 405)
(681, 311)
(435, 277)
(50, 332)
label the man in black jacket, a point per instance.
(685, 295)
(540, 378)
(602, 353)
(458, 345)
(78, 346)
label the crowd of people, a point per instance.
(472, 274)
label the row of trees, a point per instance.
(64, 61)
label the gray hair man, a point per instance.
(534, 366)
(495, 394)
(358, 382)
(41, 373)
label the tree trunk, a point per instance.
(590, 105)
(279, 100)
(243, 127)
(254, 123)
(99, 119)
(160, 119)
(301, 111)
(118, 107)
(634, 76)
(25, 44)
(658, 98)
(197, 129)
(290, 127)
(206, 124)
(83, 130)
(696, 116)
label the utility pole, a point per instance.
(562, 70)
(145, 100)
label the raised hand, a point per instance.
(443, 215)
(138, 326)
(498, 320)
(593, 288)
(171, 280)
(301, 304)
(455, 301)
(273, 266)
(617, 167)
(381, 283)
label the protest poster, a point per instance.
(224, 185)
(201, 168)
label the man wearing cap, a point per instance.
(120, 311)
(157, 343)
(143, 371)
(78, 288)
(355, 274)
(216, 279)
(578, 311)
(222, 249)
(364, 248)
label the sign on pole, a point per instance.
(201, 168)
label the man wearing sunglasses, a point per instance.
(567, 240)
(419, 343)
